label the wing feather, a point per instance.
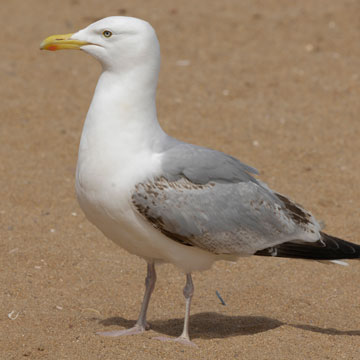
(223, 217)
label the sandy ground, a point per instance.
(274, 83)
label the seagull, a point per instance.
(165, 200)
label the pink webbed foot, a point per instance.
(141, 325)
(181, 339)
(137, 329)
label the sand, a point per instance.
(275, 83)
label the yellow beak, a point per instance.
(61, 42)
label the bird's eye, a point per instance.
(107, 33)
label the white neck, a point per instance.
(122, 115)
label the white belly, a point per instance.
(105, 199)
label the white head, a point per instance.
(119, 43)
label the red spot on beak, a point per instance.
(52, 47)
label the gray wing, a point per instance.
(201, 165)
(212, 202)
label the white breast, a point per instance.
(105, 197)
(117, 151)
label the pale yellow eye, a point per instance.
(107, 33)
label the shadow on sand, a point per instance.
(209, 325)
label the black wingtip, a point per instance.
(327, 248)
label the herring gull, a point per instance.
(163, 199)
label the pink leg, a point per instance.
(141, 325)
(188, 292)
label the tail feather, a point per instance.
(327, 248)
